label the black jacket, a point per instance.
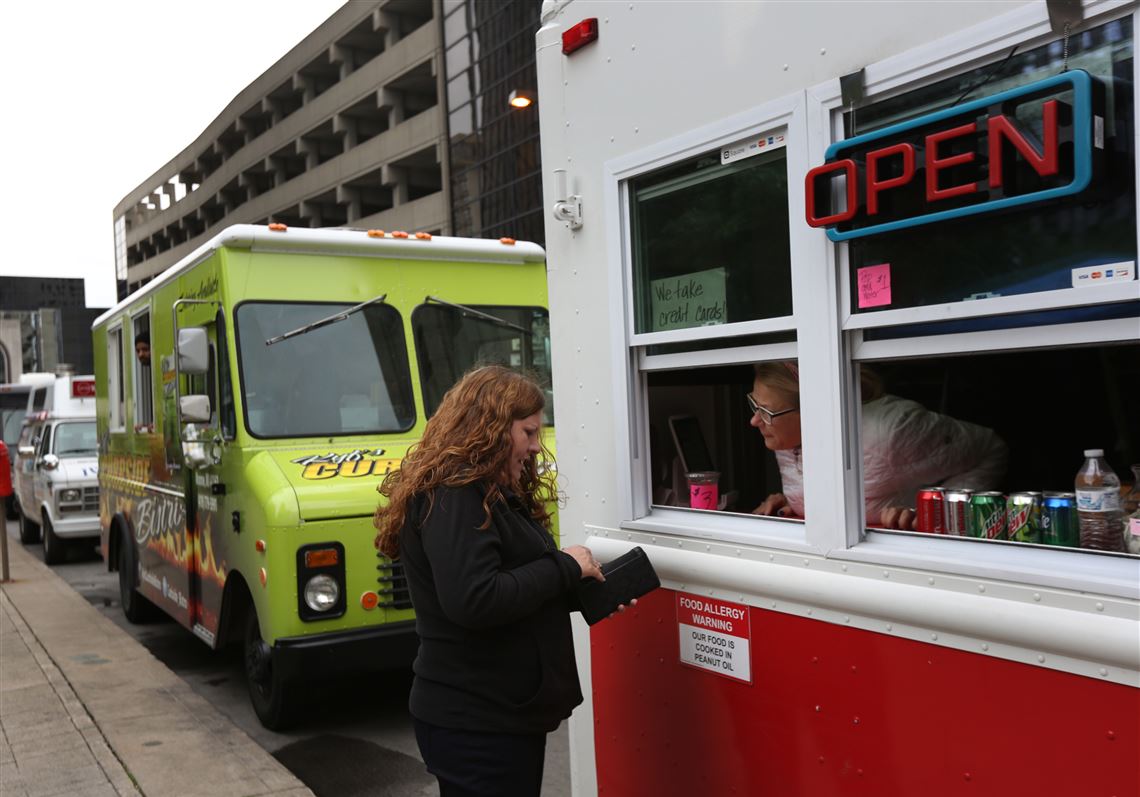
(492, 613)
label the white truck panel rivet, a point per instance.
(565, 82)
(773, 604)
(809, 612)
(981, 588)
(818, 709)
(930, 580)
(653, 540)
(586, 494)
(611, 139)
(738, 552)
(846, 618)
(629, 536)
(740, 598)
(785, 67)
(985, 646)
(576, 274)
(603, 500)
(1100, 607)
(567, 124)
(886, 574)
(708, 547)
(680, 545)
(633, 47)
(609, 60)
(682, 586)
(712, 591)
(1037, 596)
(807, 562)
(934, 637)
(823, 51)
(1040, 658)
(844, 568)
(637, 129)
(890, 627)
(585, 459)
(1103, 671)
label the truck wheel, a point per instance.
(10, 511)
(53, 545)
(136, 608)
(29, 530)
(268, 690)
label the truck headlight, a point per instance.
(70, 495)
(321, 593)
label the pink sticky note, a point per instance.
(874, 285)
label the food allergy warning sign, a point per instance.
(715, 636)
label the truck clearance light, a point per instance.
(580, 35)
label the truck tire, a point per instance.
(29, 530)
(269, 692)
(10, 510)
(136, 608)
(53, 545)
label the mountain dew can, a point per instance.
(1023, 517)
(987, 516)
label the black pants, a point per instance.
(478, 764)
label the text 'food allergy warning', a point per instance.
(715, 636)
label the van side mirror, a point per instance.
(49, 462)
(194, 409)
(193, 350)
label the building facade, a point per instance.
(44, 323)
(370, 123)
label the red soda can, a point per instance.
(928, 511)
(956, 511)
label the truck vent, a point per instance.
(90, 499)
(393, 589)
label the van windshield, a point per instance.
(449, 342)
(75, 439)
(351, 377)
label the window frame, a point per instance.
(116, 384)
(830, 338)
(136, 371)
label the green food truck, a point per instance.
(251, 398)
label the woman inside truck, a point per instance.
(905, 447)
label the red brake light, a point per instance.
(580, 35)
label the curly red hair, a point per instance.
(468, 441)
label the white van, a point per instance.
(56, 487)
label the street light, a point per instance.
(520, 98)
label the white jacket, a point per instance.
(907, 447)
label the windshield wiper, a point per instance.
(472, 313)
(324, 322)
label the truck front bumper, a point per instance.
(77, 526)
(384, 647)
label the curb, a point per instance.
(143, 723)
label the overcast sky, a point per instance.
(99, 95)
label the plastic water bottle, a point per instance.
(1098, 503)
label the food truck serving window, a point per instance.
(977, 415)
(348, 377)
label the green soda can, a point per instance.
(1059, 524)
(1023, 517)
(987, 516)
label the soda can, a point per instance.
(1023, 517)
(987, 516)
(956, 511)
(928, 511)
(1059, 522)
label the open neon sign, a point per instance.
(965, 160)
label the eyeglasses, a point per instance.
(766, 415)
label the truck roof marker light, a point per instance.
(375, 233)
(369, 600)
(260, 546)
(578, 36)
(399, 234)
(507, 241)
(322, 557)
(278, 227)
(423, 236)
(262, 576)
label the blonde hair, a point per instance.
(783, 376)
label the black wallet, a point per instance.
(627, 577)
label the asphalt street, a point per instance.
(355, 740)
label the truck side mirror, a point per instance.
(193, 350)
(25, 451)
(194, 409)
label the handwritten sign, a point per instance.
(874, 285)
(691, 300)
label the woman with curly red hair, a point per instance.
(467, 515)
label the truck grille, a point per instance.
(91, 499)
(393, 589)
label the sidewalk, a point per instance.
(86, 710)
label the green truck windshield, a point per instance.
(449, 342)
(350, 377)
